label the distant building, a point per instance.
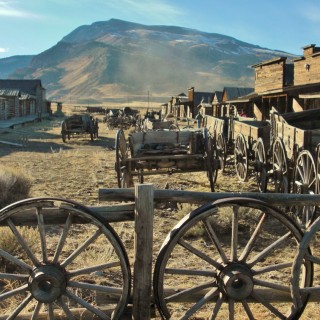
(21, 98)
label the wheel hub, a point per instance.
(236, 281)
(47, 283)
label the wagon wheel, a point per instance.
(280, 167)
(91, 134)
(261, 166)
(241, 157)
(126, 180)
(318, 169)
(221, 150)
(64, 136)
(57, 266)
(200, 272)
(304, 182)
(121, 155)
(212, 169)
(307, 255)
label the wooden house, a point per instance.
(272, 80)
(196, 98)
(10, 103)
(231, 102)
(25, 97)
(179, 105)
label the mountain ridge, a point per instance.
(115, 58)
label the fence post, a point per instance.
(143, 242)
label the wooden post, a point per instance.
(142, 268)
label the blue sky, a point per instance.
(32, 26)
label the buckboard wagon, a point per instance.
(164, 152)
(78, 125)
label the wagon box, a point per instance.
(163, 152)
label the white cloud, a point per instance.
(7, 9)
(3, 50)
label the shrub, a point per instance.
(14, 185)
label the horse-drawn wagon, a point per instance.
(78, 125)
(164, 152)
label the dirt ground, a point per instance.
(76, 170)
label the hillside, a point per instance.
(113, 59)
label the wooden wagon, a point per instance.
(163, 152)
(295, 153)
(77, 124)
(158, 125)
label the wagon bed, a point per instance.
(162, 152)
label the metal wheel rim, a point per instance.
(225, 260)
(47, 275)
(280, 167)
(304, 182)
(241, 158)
(261, 166)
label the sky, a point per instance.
(33, 26)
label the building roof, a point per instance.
(27, 86)
(233, 93)
(217, 95)
(202, 97)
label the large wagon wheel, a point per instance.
(57, 266)
(304, 182)
(123, 175)
(307, 256)
(318, 169)
(261, 166)
(241, 157)
(211, 163)
(221, 150)
(280, 167)
(201, 272)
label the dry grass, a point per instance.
(14, 185)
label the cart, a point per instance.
(164, 152)
(77, 124)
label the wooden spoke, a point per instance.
(213, 292)
(248, 310)
(272, 285)
(274, 267)
(80, 249)
(50, 311)
(94, 287)
(191, 291)
(214, 238)
(234, 234)
(231, 309)
(86, 305)
(217, 307)
(8, 294)
(63, 237)
(21, 306)
(42, 232)
(14, 260)
(66, 310)
(23, 244)
(199, 254)
(267, 250)
(275, 311)
(36, 311)
(13, 276)
(89, 270)
(188, 272)
(253, 239)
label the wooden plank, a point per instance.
(181, 196)
(143, 251)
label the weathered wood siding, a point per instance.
(270, 75)
(307, 68)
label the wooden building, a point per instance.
(231, 102)
(24, 97)
(196, 98)
(216, 103)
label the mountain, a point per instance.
(114, 58)
(9, 65)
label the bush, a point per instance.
(14, 186)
